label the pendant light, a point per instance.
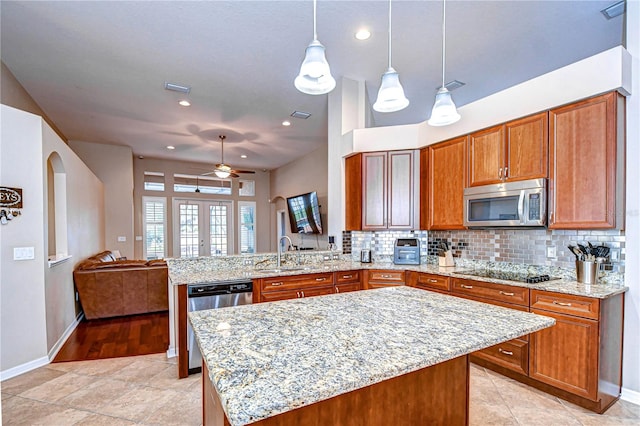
(315, 75)
(444, 110)
(391, 94)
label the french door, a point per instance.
(202, 228)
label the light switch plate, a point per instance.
(138, 237)
(24, 253)
(122, 239)
(551, 252)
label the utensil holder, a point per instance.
(586, 272)
(447, 260)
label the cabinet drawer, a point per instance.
(585, 307)
(373, 285)
(348, 277)
(513, 355)
(429, 281)
(347, 287)
(492, 291)
(386, 276)
(296, 282)
(272, 296)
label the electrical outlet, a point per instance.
(247, 262)
(551, 252)
(614, 255)
(326, 257)
(336, 256)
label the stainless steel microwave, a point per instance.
(508, 204)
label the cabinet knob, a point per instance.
(386, 276)
(297, 294)
(506, 172)
(502, 351)
(504, 293)
(302, 293)
(346, 277)
(337, 290)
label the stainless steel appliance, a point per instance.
(406, 251)
(365, 256)
(216, 295)
(509, 204)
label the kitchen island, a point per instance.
(387, 356)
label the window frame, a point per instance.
(253, 205)
(163, 201)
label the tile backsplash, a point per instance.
(528, 246)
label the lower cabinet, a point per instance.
(431, 282)
(292, 287)
(379, 278)
(346, 281)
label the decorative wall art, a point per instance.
(10, 204)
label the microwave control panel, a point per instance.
(534, 206)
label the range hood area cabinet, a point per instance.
(513, 151)
(381, 191)
(586, 157)
(443, 177)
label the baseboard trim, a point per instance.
(23, 368)
(630, 396)
(171, 352)
(61, 341)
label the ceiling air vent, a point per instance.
(177, 87)
(614, 10)
(300, 114)
(453, 85)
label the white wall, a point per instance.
(38, 303)
(113, 164)
(306, 174)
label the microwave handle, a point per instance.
(521, 208)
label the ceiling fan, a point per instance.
(222, 170)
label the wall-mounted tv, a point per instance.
(304, 214)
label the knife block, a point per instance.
(447, 260)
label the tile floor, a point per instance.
(145, 390)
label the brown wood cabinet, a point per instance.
(380, 190)
(346, 281)
(443, 178)
(582, 353)
(291, 287)
(583, 152)
(432, 282)
(378, 278)
(517, 150)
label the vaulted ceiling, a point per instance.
(98, 68)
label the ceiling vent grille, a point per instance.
(300, 114)
(177, 87)
(453, 85)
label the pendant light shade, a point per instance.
(444, 111)
(315, 75)
(391, 96)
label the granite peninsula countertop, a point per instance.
(269, 358)
(187, 271)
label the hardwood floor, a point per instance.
(117, 337)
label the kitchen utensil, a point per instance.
(586, 272)
(577, 252)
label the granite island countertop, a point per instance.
(269, 358)
(187, 272)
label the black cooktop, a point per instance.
(524, 277)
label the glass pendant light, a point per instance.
(391, 94)
(315, 75)
(444, 110)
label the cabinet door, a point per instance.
(374, 184)
(345, 288)
(486, 156)
(400, 195)
(527, 148)
(447, 179)
(353, 193)
(582, 158)
(566, 355)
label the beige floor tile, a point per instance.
(542, 417)
(24, 411)
(162, 357)
(482, 390)
(185, 409)
(139, 371)
(518, 394)
(29, 380)
(58, 388)
(138, 403)
(100, 392)
(485, 415)
(168, 379)
(98, 367)
(100, 420)
(6, 396)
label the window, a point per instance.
(153, 181)
(219, 229)
(201, 184)
(247, 188)
(247, 212)
(154, 217)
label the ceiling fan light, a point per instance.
(391, 96)
(315, 75)
(444, 111)
(222, 174)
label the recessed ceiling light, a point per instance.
(286, 123)
(614, 10)
(171, 147)
(185, 103)
(363, 34)
(243, 156)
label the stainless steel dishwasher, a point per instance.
(216, 295)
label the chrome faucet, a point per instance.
(280, 248)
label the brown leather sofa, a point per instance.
(109, 288)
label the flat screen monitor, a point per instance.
(304, 214)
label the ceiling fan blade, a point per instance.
(243, 171)
(207, 174)
(233, 175)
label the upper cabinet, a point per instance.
(513, 151)
(380, 190)
(442, 181)
(583, 151)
